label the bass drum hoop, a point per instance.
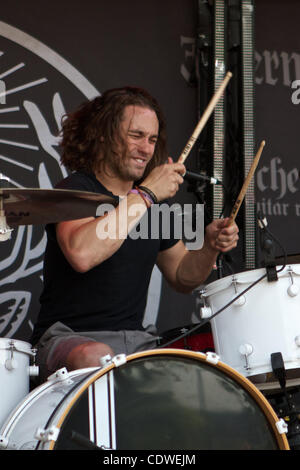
(233, 374)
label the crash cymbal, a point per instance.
(25, 206)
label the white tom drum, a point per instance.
(263, 321)
(161, 399)
(15, 371)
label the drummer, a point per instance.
(95, 287)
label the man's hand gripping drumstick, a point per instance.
(230, 221)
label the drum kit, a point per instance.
(193, 395)
(212, 384)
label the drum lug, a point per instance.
(293, 290)
(105, 360)
(246, 350)
(3, 442)
(119, 360)
(46, 435)
(11, 364)
(282, 426)
(33, 371)
(212, 357)
(205, 312)
(241, 300)
(60, 374)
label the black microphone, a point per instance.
(190, 176)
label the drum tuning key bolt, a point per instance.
(241, 300)
(245, 350)
(293, 289)
(33, 369)
(205, 311)
(11, 363)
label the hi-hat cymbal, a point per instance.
(42, 206)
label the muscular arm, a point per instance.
(185, 270)
(81, 240)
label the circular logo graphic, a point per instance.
(37, 87)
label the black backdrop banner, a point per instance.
(277, 59)
(53, 59)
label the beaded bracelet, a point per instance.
(143, 195)
(150, 193)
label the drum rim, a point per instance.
(17, 341)
(262, 402)
(246, 277)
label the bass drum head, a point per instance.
(167, 399)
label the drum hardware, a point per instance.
(286, 405)
(47, 435)
(117, 360)
(275, 307)
(192, 340)
(15, 373)
(5, 230)
(206, 311)
(84, 442)
(267, 240)
(220, 266)
(105, 360)
(293, 289)
(284, 402)
(279, 368)
(212, 358)
(241, 300)
(186, 345)
(148, 392)
(11, 363)
(25, 206)
(246, 350)
(60, 375)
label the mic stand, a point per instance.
(267, 247)
(220, 266)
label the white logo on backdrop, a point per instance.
(29, 157)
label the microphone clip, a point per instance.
(267, 247)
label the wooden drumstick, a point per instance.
(204, 118)
(243, 191)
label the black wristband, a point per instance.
(150, 193)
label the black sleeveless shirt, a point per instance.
(111, 296)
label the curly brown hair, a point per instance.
(93, 129)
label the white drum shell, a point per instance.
(47, 407)
(14, 374)
(34, 412)
(266, 321)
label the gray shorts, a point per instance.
(57, 342)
